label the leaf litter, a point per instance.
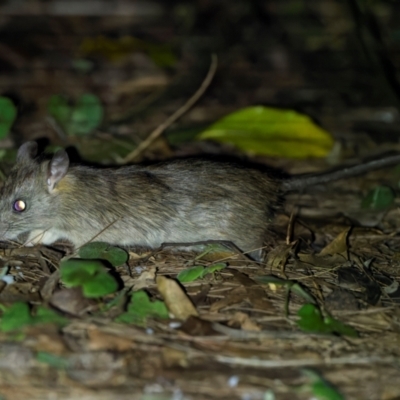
(290, 313)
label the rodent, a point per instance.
(181, 201)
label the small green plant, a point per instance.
(8, 113)
(312, 320)
(380, 198)
(91, 275)
(199, 271)
(140, 308)
(319, 387)
(78, 119)
(19, 315)
(100, 250)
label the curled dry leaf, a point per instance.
(145, 279)
(338, 245)
(175, 298)
(278, 256)
(71, 301)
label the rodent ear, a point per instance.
(27, 151)
(58, 168)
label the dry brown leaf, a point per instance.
(254, 292)
(176, 300)
(72, 301)
(235, 296)
(145, 279)
(195, 326)
(338, 245)
(337, 260)
(244, 321)
(278, 256)
(20, 291)
(104, 341)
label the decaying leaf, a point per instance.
(175, 298)
(338, 245)
(145, 279)
(244, 321)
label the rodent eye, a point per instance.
(19, 205)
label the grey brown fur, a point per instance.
(177, 201)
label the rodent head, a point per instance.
(29, 198)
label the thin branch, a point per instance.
(132, 156)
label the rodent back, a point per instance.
(180, 200)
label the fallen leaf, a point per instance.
(244, 321)
(255, 294)
(271, 131)
(145, 279)
(178, 303)
(338, 245)
(99, 340)
(235, 296)
(72, 301)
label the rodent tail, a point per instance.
(303, 181)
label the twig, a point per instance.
(177, 114)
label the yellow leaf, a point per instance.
(269, 131)
(175, 298)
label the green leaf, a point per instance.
(379, 198)
(76, 272)
(46, 315)
(273, 132)
(82, 65)
(91, 275)
(312, 320)
(100, 285)
(15, 317)
(190, 274)
(140, 308)
(59, 109)
(214, 268)
(193, 273)
(99, 250)
(19, 315)
(320, 388)
(78, 119)
(86, 115)
(8, 113)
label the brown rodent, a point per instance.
(181, 201)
